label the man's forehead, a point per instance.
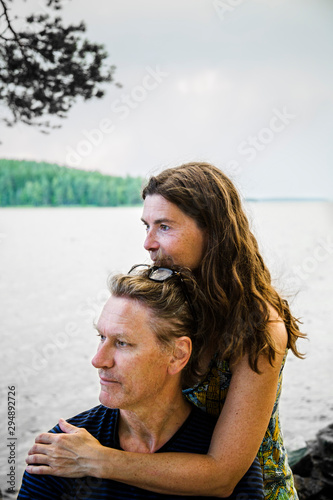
(122, 313)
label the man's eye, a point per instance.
(122, 343)
(102, 337)
(164, 227)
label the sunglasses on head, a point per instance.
(161, 274)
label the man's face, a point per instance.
(131, 364)
(172, 233)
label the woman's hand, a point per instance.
(71, 454)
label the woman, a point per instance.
(194, 218)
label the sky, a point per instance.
(244, 84)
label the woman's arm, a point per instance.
(237, 437)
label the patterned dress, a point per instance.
(210, 395)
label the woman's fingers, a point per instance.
(46, 438)
(42, 449)
(39, 469)
(38, 458)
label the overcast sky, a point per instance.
(246, 85)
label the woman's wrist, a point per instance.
(102, 464)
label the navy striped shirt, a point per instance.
(193, 436)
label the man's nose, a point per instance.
(151, 243)
(103, 358)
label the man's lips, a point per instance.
(108, 381)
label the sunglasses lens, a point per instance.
(138, 269)
(161, 274)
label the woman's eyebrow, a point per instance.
(159, 221)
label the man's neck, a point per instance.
(148, 429)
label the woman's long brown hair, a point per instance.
(232, 273)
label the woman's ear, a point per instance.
(181, 353)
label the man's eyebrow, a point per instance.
(120, 334)
(98, 330)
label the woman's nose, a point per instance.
(151, 242)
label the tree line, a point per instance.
(32, 183)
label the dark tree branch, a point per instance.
(9, 25)
(47, 66)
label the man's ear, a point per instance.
(181, 353)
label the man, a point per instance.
(146, 330)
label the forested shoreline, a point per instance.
(29, 183)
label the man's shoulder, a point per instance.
(96, 413)
(201, 422)
(98, 420)
(194, 435)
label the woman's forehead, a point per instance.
(159, 209)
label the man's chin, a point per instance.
(106, 400)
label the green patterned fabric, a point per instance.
(210, 395)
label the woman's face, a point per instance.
(171, 233)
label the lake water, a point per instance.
(54, 264)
